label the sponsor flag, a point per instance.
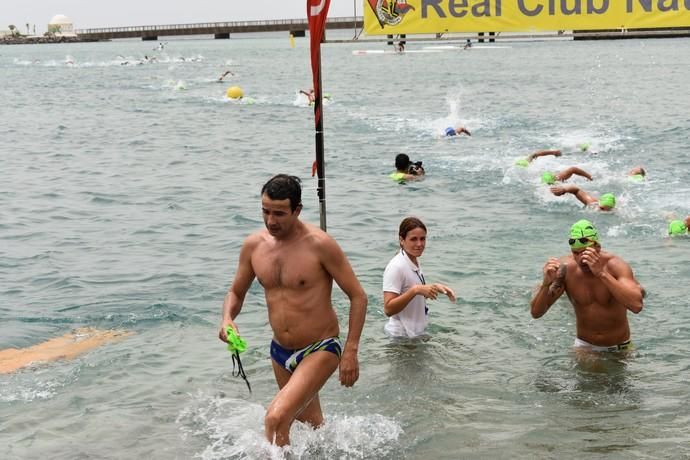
(317, 11)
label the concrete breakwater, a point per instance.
(20, 40)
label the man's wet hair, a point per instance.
(283, 187)
(402, 162)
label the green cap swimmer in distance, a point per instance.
(677, 227)
(548, 178)
(237, 345)
(522, 162)
(583, 234)
(607, 200)
(637, 178)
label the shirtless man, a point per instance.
(601, 287)
(605, 202)
(296, 264)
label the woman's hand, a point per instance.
(431, 291)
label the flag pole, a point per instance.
(320, 161)
(317, 12)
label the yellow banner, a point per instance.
(382, 17)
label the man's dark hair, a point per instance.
(402, 162)
(283, 187)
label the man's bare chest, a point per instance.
(294, 268)
(586, 290)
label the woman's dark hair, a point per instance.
(283, 187)
(408, 224)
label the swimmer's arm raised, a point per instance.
(581, 172)
(550, 290)
(619, 279)
(580, 194)
(543, 153)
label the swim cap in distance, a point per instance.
(522, 162)
(608, 200)
(548, 178)
(677, 227)
(583, 229)
(450, 131)
(637, 177)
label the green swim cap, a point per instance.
(637, 177)
(607, 200)
(522, 162)
(583, 229)
(584, 147)
(677, 227)
(548, 178)
(235, 342)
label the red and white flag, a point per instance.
(317, 11)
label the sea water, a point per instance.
(129, 182)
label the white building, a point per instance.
(61, 26)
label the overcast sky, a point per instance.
(108, 13)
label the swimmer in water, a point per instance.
(450, 131)
(606, 202)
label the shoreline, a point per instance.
(43, 40)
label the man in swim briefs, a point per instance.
(601, 287)
(296, 264)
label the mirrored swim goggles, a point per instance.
(578, 243)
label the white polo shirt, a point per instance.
(401, 275)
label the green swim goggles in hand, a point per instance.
(235, 342)
(237, 345)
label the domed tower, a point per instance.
(61, 26)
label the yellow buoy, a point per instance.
(234, 92)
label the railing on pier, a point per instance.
(219, 29)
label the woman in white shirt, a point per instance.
(404, 289)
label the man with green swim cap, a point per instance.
(550, 178)
(679, 227)
(601, 287)
(606, 202)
